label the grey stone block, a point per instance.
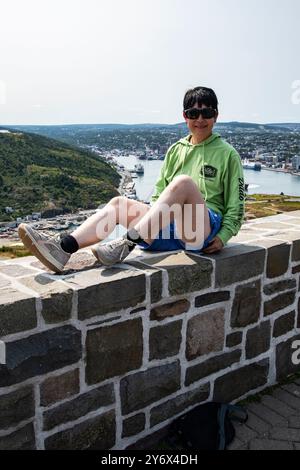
(279, 302)
(279, 286)
(40, 353)
(174, 406)
(79, 406)
(22, 439)
(114, 350)
(94, 434)
(133, 425)
(165, 340)
(246, 304)
(17, 312)
(186, 272)
(278, 260)
(258, 340)
(16, 407)
(296, 269)
(156, 281)
(211, 366)
(205, 333)
(56, 297)
(156, 286)
(284, 324)
(237, 383)
(296, 250)
(59, 387)
(97, 290)
(234, 339)
(144, 388)
(151, 441)
(169, 310)
(238, 263)
(15, 270)
(189, 275)
(211, 298)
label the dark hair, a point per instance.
(200, 95)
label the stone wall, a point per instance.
(103, 358)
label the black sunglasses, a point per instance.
(206, 113)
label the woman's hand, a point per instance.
(215, 245)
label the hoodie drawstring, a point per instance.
(202, 170)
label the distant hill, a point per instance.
(288, 125)
(77, 129)
(38, 174)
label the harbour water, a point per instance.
(264, 182)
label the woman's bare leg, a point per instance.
(119, 210)
(183, 193)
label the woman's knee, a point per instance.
(118, 201)
(182, 183)
(119, 204)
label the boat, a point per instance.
(62, 226)
(139, 169)
(247, 165)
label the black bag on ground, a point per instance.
(207, 427)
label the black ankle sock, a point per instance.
(134, 237)
(69, 244)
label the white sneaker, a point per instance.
(112, 252)
(46, 249)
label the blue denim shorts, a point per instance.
(168, 240)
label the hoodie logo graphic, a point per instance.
(209, 171)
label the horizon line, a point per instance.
(148, 124)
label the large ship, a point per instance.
(139, 169)
(247, 165)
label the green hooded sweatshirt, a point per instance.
(216, 168)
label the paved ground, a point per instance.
(274, 421)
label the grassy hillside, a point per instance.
(38, 173)
(264, 205)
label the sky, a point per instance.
(131, 61)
